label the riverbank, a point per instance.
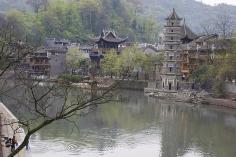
(193, 97)
(229, 103)
(8, 131)
(106, 83)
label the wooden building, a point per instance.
(39, 66)
(197, 52)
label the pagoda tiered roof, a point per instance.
(173, 16)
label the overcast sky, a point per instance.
(214, 2)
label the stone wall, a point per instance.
(132, 84)
(57, 64)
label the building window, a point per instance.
(171, 57)
(172, 23)
(172, 30)
(170, 69)
(171, 47)
(172, 38)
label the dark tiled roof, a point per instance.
(206, 37)
(109, 36)
(173, 16)
(150, 47)
(186, 32)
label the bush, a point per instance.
(218, 89)
(71, 78)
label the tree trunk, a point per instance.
(27, 136)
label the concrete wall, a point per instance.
(57, 64)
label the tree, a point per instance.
(208, 27)
(212, 76)
(129, 60)
(109, 62)
(89, 9)
(35, 104)
(13, 26)
(38, 4)
(75, 58)
(224, 25)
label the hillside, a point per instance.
(194, 12)
(6, 5)
(128, 17)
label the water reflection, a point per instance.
(140, 127)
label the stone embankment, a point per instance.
(190, 96)
(8, 131)
(181, 96)
(102, 83)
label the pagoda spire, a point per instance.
(173, 16)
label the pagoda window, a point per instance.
(172, 23)
(172, 38)
(171, 47)
(172, 30)
(170, 69)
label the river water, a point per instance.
(141, 127)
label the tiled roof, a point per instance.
(109, 36)
(186, 32)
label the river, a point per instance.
(141, 126)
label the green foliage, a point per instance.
(212, 76)
(13, 26)
(75, 58)
(70, 78)
(76, 20)
(109, 63)
(218, 88)
(131, 59)
(201, 76)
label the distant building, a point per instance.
(48, 61)
(86, 48)
(197, 52)
(150, 49)
(171, 72)
(38, 64)
(183, 52)
(57, 50)
(106, 41)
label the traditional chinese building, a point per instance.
(183, 52)
(106, 41)
(171, 72)
(197, 52)
(39, 66)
